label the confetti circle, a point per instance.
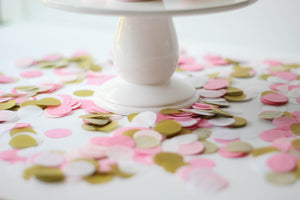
(295, 129)
(274, 99)
(296, 143)
(48, 159)
(83, 93)
(31, 74)
(78, 168)
(273, 134)
(191, 148)
(168, 127)
(284, 122)
(58, 133)
(281, 178)
(281, 163)
(223, 152)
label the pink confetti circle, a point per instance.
(58, 133)
(281, 163)
(5, 79)
(284, 122)
(31, 74)
(202, 162)
(223, 152)
(274, 99)
(273, 134)
(192, 67)
(192, 148)
(289, 76)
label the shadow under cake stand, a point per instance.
(145, 51)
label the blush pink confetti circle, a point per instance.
(58, 133)
(273, 134)
(119, 131)
(281, 163)
(223, 152)
(272, 62)
(149, 151)
(215, 85)
(202, 162)
(51, 57)
(289, 76)
(5, 79)
(11, 156)
(284, 122)
(31, 74)
(274, 99)
(192, 148)
(184, 60)
(224, 141)
(25, 62)
(192, 67)
(118, 140)
(283, 144)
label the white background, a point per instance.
(268, 25)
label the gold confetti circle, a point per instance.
(281, 178)
(49, 101)
(296, 143)
(295, 129)
(231, 91)
(239, 146)
(209, 147)
(47, 174)
(7, 105)
(270, 114)
(169, 161)
(170, 111)
(22, 141)
(263, 150)
(131, 116)
(83, 93)
(99, 178)
(20, 130)
(238, 122)
(167, 127)
(235, 98)
(202, 133)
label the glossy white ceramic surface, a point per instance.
(156, 7)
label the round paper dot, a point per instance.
(168, 127)
(58, 133)
(48, 159)
(281, 178)
(223, 152)
(221, 121)
(295, 129)
(238, 146)
(31, 74)
(7, 115)
(22, 141)
(83, 93)
(274, 99)
(296, 143)
(78, 168)
(190, 148)
(281, 163)
(284, 122)
(273, 134)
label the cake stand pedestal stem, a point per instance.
(145, 54)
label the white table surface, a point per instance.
(36, 40)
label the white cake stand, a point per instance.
(145, 51)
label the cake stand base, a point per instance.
(122, 97)
(145, 55)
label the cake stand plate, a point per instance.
(145, 51)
